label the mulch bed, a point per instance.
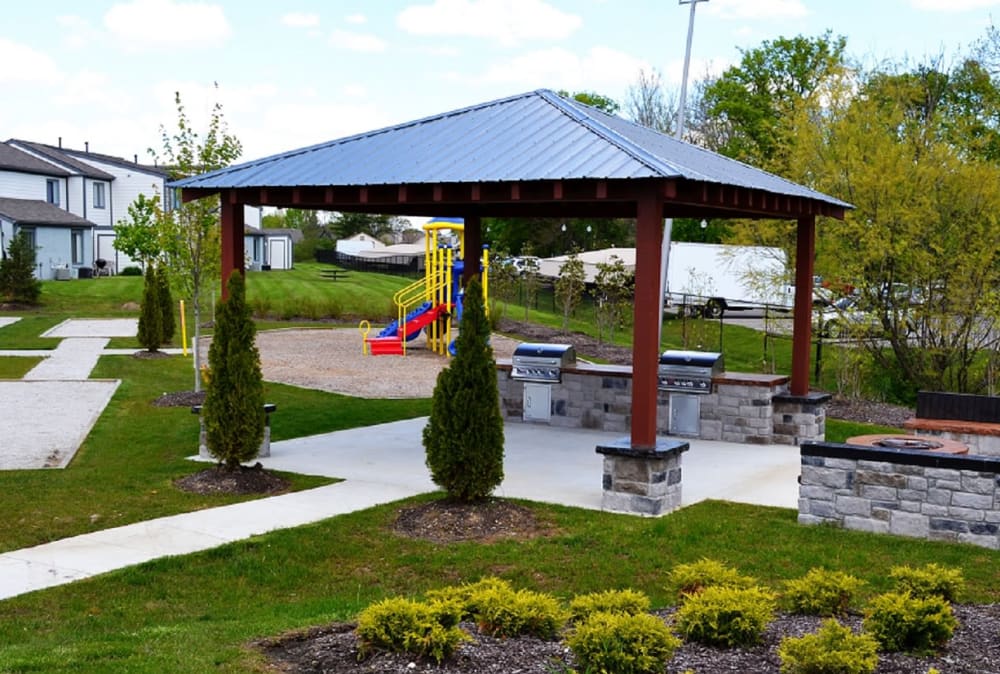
(242, 480)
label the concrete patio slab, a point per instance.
(108, 327)
(8, 320)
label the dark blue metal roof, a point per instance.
(529, 137)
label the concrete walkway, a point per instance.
(379, 464)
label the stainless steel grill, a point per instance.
(689, 371)
(541, 362)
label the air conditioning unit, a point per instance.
(61, 273)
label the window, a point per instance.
(29, 234)
(76, 239)
(52, 191)
(99, 195)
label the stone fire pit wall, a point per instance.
(916, 493)
(743, 408)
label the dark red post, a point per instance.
(473, 247)
(805, 251)
(646, 326)
(231, 236)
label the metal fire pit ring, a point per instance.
(917, 442)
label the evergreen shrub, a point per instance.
(692, 578)
(506, 613)
(168, 323)
(464, 435)
(150, 331)
(726, 616)
(17, 272)
(234, 401)
(901, 622)
(622, 643)
(405, 626)
(821, 592)
(930, 580)
(834, 649)
(629, 602)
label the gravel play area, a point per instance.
(332, 360)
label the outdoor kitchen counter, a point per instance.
(504, 364)
(737, 378)
(751, 379)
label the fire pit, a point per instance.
(919, 442)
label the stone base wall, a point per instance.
(984, 445)
(904, 492)
(642, 482)
(740, 408)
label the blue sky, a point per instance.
(298, 72)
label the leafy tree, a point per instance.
(569, 286)
(139, 235)
(530, 279)
(613, 289)
(755, 99)
(923, 244)
(234, 403)
(17, 272)
(166, 303)
(464, 436)
(503, 284)
(190, 233)
(150, 332)
(346, 225)
(594, 100)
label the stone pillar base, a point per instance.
(642, 481)
(799, 419)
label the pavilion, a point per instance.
(535, 154)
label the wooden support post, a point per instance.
(646, 326)
(231, 236)
(805, 251)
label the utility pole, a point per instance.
(668, 223)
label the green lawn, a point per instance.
(199, 613)
(124, 471)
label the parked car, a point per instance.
(846, 317)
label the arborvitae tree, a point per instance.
(570, 285)
(166, 301)
(464, 436)
(17, 272)
(234, 403)
(150, 316)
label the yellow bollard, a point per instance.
(184, 336)
(364, 327)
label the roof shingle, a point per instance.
(26, 212)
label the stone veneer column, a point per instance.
(642, 481)
(799, 419)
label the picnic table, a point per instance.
(334, 274)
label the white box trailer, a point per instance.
(708, 279)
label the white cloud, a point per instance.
(354, 90)
(757, 9)
(79, 32)
(300, 20)
(356, 19)
(21, 63)
(360, 42)
(157, 24)
(287, 126)
(95, 90)
(508, 22)
(952, 5)
(603, 70)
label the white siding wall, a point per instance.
(52, 249)
(71, 197)
(128, 184)
(15, 185)
(99, 216)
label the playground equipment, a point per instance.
(434, 303)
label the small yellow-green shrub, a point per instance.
(821, 592)
(901, 622)
(505, 613)
(467, 594)
(726, 616)
(622, 643)
(402, 625)
(689, 579)
(834, 649)
(626, 601)
(929, 580)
